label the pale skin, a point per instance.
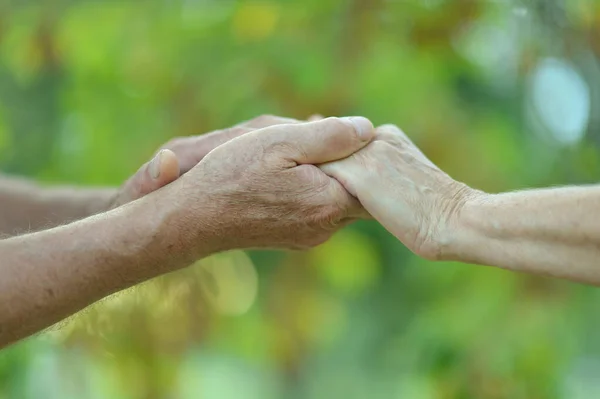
(553, 231)
(257, 190)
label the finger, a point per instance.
(345, 172)
(351, 206)
(212, 140)
(266, 121)
(318, 142)
(191, 150)
(348, 200)
(315, 117)
(394, 135)
(160, 171)
(390, 133)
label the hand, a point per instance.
(262, 190)
(180, 155)
(410, 196)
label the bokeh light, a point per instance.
(561, 99)
(502, 95)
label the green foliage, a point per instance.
(90, 89)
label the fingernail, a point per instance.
(363, 126)
(155, 166)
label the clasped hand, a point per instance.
(279, 183)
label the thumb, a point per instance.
(160, 171)
(345, 172)
(349, 174)
(320, 141)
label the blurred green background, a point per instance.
(501, 94)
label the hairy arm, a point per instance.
(284, 202)
(551, 231)
(49, 275)
(26, 206)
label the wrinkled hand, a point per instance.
(262, 189)
(410, 196)
(180, 155)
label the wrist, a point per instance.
(164, 233)
(188, 220)
(460, 239)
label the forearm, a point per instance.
(25, 206)
(552, 231)
(47, 276)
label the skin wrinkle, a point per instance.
(33, 208)
(549, 232)
(36, 208)
(242, 194)
(246, 194)
(369, 175)
(263, 204)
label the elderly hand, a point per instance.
(258, 190)
(410, 196)
(180, 155)
(262, 190)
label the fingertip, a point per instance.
(364, 128)
(169, 167)
(321, 141)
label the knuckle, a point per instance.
(378, 146)
(232, 131)
(370, 154)
(264, 118)
(388, 127)
(175, 143)
(338, 124)
(367, 161)
(263, 121)
(392, 133)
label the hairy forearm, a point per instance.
(26, 206)
(49, 275)
(552, 231)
